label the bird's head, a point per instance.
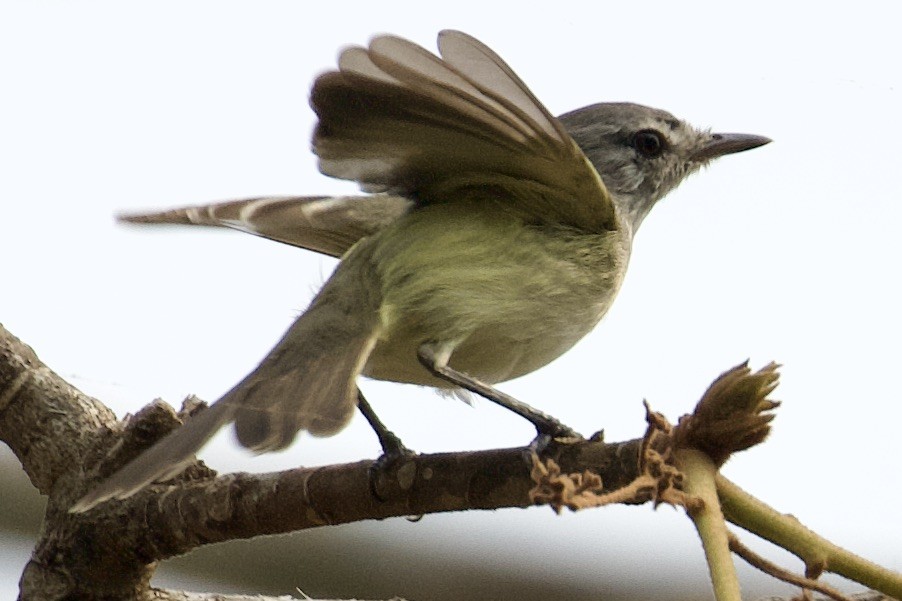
(642, 153)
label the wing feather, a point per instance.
(397, 118)
(490, 74)
(329, 225)
(429, 75)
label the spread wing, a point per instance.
(329, 225)
(396, 118)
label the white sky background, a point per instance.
(788, 252)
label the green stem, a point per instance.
(783, 530)
(700, 473)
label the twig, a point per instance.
(787, 532)
(699, 473)
(772, 569)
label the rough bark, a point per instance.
(68, 441)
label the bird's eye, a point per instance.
(649, 143)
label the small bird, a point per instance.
(493, 236)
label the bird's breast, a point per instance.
(509, 296)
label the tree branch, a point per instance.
(67, 441)
(48, 424)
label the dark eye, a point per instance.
(649, 143)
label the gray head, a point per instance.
(643, 153)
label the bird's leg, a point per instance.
(436, 361)
(392, 447)
(393, 450)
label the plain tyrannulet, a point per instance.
(495, 237)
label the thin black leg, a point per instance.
(392, 447)
(546, 425)
(393, 450)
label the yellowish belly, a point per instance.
(509, 297)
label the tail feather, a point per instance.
(162, 461)
(306, 382)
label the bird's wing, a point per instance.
(396, 118)
(329, 225)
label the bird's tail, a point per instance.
(307, 382)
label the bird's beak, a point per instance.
(720, 144)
